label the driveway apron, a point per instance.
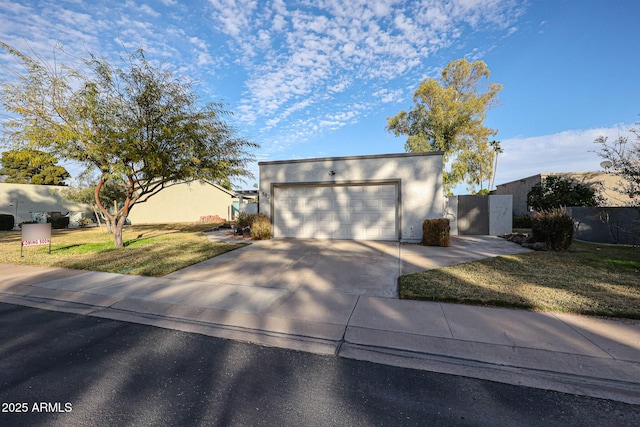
(350, 267)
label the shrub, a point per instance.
(556, 191)
(260, 227)
(554, 227)
(521, 221)
(258, 223)
(6, 222)
(435, 232)
(85, 222)
(244, 219)
(58, 222)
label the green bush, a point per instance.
(244, 219)
(261, 227)
(555, 191)
(554, 227)
(85, 222)
(521, 221)
(58, 222)
(6, 222)
(258, 223)
(435, 232)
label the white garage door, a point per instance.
(358, 212)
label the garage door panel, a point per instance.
(388, 203)
(372, 203)
(337, 212)
(326, 218)
(342, 217)
(324, 203)
(356, 218)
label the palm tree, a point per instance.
(496, 150)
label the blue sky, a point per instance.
(315, 78)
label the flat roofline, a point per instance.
(371, 156)
(546, 174)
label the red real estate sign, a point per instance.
(36, 234)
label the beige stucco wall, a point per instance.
(185, 202)
(37, 198)
(521, 187)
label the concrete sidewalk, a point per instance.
(574, 354)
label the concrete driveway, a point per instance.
(368, 268)
(350, 267)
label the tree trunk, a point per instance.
(117, 232)
(495, 169)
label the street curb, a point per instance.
(618, 390)
(271, 338)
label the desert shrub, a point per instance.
(85, 222)
(435, 232)
(521, 221)
(553, 227)
(260, 227)
(6, 222)
(244, 219)
(258, 223)
(58, 222)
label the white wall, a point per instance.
(419, 176)
(451, 212)
(250, 208)
(500, 214)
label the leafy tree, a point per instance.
(448, 116)
(137, 122)
(555, 192)
(624, 156)
(112, 191)
(28, 166)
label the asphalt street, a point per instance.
(60, 369)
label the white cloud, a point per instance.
(149, 11)
(322, 50)
(568, 151)
(312, 66)
(387, 96)
(234, 15)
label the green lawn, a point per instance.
(150, 250)
(588, 279)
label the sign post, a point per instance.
(35, 234)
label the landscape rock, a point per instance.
(525, 240)
(536, 246)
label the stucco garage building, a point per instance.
(377, 197)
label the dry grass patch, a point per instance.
(587, 279)
(150, 250)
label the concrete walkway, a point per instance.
(336, 298)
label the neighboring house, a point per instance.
(27, 198)
(377, 197)
(520, 188)
(184, 202)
